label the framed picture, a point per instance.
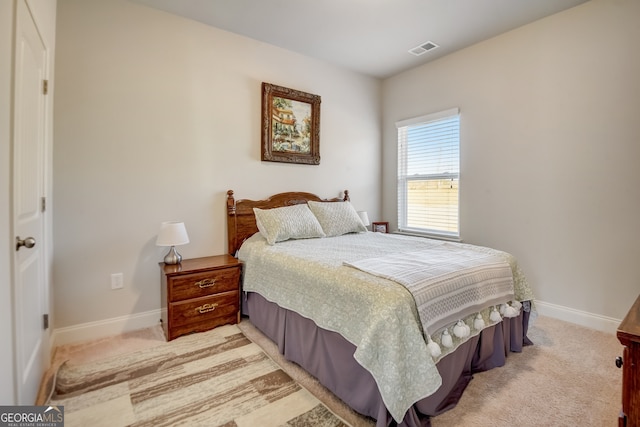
(290, 125)
(380, 227)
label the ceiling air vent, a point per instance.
(423, 48)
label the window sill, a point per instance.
(430, 236)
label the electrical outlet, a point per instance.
(117, 281)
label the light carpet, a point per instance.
(215, 378)
(567, 378)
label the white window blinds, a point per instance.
(429, 174)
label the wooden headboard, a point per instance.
(241, 221)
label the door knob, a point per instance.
(28, 243)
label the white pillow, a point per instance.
(289, 222)
(337, 218)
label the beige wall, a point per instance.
(156, 117)
(550, 144)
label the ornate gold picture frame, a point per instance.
(290, 125)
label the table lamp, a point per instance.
(172, 233)
(364, 217)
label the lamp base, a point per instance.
(173, 257)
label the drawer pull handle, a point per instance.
(206, 308)
(206, 283)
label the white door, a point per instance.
(30, 291)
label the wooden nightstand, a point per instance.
(200, 294)
(629, 336)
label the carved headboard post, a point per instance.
(231, 203)
(231, 222)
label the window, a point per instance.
(429, 174)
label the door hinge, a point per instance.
(45, 87)
(43, 203)
(45, 322)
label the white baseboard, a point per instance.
(582, 318)
(104, 328)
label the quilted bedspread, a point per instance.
(378, 315)
(448, 282)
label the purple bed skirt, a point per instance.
(329, 357)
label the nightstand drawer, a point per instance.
(197, 285)
(205, 309)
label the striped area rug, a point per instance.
(215, 378)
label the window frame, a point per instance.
(403, 178)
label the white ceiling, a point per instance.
(372, 37)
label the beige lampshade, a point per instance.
(364, 217)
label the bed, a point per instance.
(359, 311)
